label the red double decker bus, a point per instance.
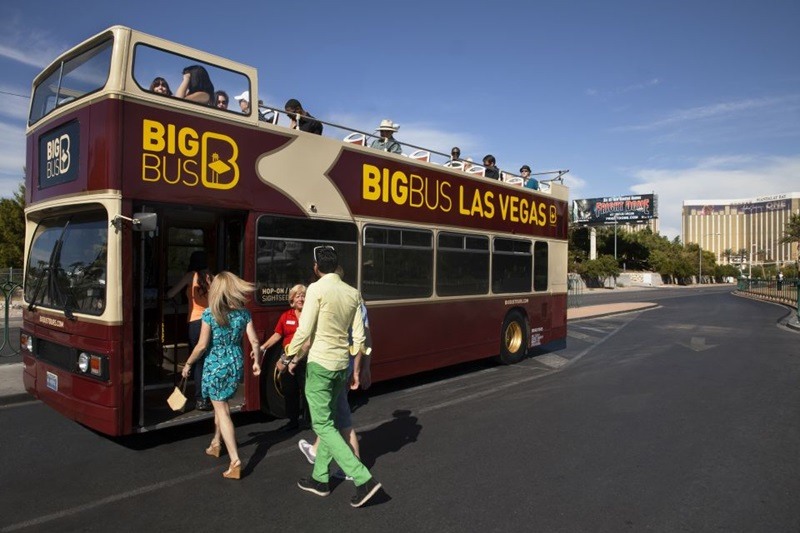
(124, 183)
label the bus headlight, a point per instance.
(83, 362)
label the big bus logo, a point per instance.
(58, 156)
(183, 156)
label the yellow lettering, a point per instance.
(461, 209)
(400, 188)
(417, 191)
(553, 215)
(514, 215)
(446, 196)
(150, 162)
(171, 138)
(523, 210)
(152, 136)
(190, 163)
(187, 142)
(371, 183)
(385, 185)
(222, 167)
(489, 205)
(542, 215)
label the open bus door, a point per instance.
(160, 331)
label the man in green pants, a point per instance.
(331, 309)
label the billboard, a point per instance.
(622, 209)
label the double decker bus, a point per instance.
(124, 184)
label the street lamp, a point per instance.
(700, 254)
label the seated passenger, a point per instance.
(221, 100)
(244, 102)
(196, 86)
(386, 142)
(530, 181)
(492, 171)
(455, 153)
(160, 86)
(301, 119)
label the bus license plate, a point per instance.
(52, 381)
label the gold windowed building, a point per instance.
(742, 231)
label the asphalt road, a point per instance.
(681, 418)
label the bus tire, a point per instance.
(272, 398)
(513, 339)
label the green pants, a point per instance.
(322, 388)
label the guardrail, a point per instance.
(785, 292)
(11, 286)
(574, 291)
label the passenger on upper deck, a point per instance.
(244, 102)
(160, 86)
(530, 181)
(455, 153)
(491, 168)
(386, 142)
(196, 85)
(221, 99)
(301, 119)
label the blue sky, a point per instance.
(689, 100)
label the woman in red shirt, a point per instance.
(284, 330)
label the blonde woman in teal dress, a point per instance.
(225, 321)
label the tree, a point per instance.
(791, 231)
(12, 229)
(596, 271)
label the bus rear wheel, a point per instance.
(514, 339)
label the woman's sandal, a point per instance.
(234, 471)
(214, 449)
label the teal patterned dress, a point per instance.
(224, 365)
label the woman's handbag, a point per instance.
(177, 400)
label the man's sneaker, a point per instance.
(365, 492)
(339, 474)
(310, 484)
(308, 450)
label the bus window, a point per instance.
(67, 263)
(511, 266)
(150, 63)
(284, 254)
(540, 262)
(72, 79)
(462, 265)
(396, 263)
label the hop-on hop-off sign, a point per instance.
(615, 209)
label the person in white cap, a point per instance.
(244, 102)
(386, 142)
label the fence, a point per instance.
(574, 291)
(785, 292)
(11, 285)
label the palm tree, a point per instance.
(791, 233)
(727, 255)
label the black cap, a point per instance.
(525, 167)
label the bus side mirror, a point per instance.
(145, 221)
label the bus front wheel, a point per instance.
(514, 339)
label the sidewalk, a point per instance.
(12, 390)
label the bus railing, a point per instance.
(12, 291)
(785, 291)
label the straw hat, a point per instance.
(387, 124)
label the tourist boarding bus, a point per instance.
(123, 184)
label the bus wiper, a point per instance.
(45, 272)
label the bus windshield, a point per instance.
(72, 79)
(67, 263)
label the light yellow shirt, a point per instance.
(331, 309)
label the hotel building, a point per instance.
(754, 225)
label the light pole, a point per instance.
(700, 254)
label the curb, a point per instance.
(16, 398)
(639, 307)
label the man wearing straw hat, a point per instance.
(386, 142)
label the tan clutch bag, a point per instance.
(177, 400)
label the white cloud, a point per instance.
(25, 45)
(719, 110)
(716, 178)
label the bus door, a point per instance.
(161, 332)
